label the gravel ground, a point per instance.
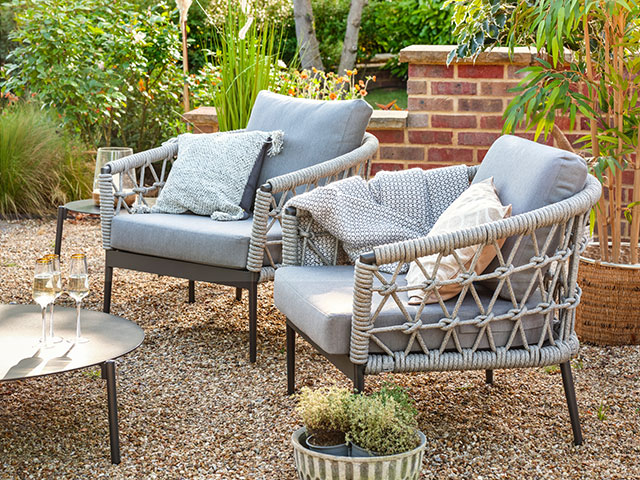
(191, 406)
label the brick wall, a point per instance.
(454, 112)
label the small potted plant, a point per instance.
(383, 423)
(324, 413)
(381, 430)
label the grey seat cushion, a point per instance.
(314, 130)
(187, 237)
(529, 175)
(319, 302)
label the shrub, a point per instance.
(39, 166)
(384, 423)
(112, 71)
(325, 413)
(325, 86)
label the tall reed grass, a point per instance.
(247, 53)
(40, 167)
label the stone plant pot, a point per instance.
(312, 465)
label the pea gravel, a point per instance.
(191, 406)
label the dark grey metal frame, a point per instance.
(241, 279)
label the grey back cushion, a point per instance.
(314, 130)
(529, 175)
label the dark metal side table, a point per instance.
(109, 337)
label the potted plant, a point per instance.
(325, 415)
(589, 61)
(380, 429)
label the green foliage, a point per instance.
(601, 414)
(6, 25)
(319, 85)
(111, 70)
(247, 55)
(325, 412)
(383, 423)
(40, 167)
(389, 26)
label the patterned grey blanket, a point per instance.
(392, 207)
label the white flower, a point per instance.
(244, 6)
(100, 65)
(281, 64)
(243, 31)
(138, 37)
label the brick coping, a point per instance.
(380, 119)
(437, 55)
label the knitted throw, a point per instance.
(211, 172)
(392, 207)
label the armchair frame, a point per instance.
(269, 203)
(552, 273)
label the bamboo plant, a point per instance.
(588, 63)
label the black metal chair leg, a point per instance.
(62, 214)
(109, 374)
(570, 394)
(358, 378)
(108, 277)
(192, 291)
(291, 360)
(238, 294)
(253, 319)
(489, 377)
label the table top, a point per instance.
(90, 208)
(83, 206)
(20, 327)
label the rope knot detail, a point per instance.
(411, 327)
(388, 289)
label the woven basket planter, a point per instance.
(317, 466)
(609, 310)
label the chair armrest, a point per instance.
(267, 210)
(566, 219)
(112, 196)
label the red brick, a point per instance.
(453, 121)
(430, 71)
(430, 137)
(479, 105)
(481, 154)
(402, 153)
(477, 138)
(418, 120)
(491, 122)
(480, 71)
(388, 136)
(497, 89)
(512, 71)
(585, 124)
(453, 88)
(430, 104)
(573, 138)
(428, 165)
(416, 87)
(376, 167)
(459, 155)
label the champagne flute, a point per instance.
(57, 288)
(43, 293)
(78, 287)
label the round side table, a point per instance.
(78, 206)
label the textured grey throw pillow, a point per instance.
(211, 172)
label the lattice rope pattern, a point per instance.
(557, 235)
(267, 210)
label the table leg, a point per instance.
(109, 374)
(62, 214)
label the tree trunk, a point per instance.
(306, 35)
(350, 46)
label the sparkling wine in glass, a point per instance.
(78, 287)
(43, 293)
(57, 288)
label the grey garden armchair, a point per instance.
(519, 312)
(323, 141)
